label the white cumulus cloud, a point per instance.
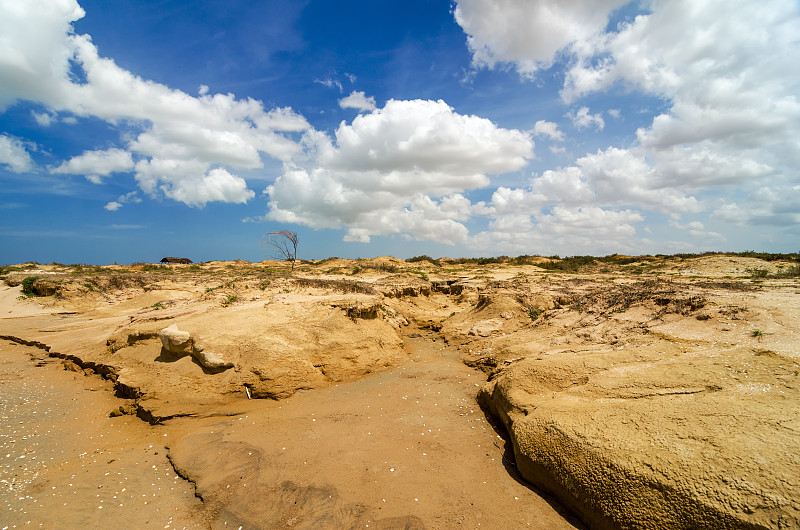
(549, 129)
(570, 230)
(357, 100)
(97, 164)
(40, 51)
(725, 70)
(401, 169)
(581, 119)
(44, 119)
(529, 33)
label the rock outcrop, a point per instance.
(179, 342)
(176, 341)
(649, 440)
(207, 359)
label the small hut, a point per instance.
(184, 261)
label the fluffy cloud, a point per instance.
(560, 229)
(613, 177)
(191, 182)
(14, 155)
(357, 100)
(549, 129)
(97, 164)
(529, 33)
(776, 206)
(38, 60)
(734, 110)
(726, 71)
(583, 120)
(399, 169)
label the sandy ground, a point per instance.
(65, 464)
(407, 447)
(377, 364)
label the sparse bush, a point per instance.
(791, 272)
(229, 300)
(481, 261)
(385, 267)
(5, 269)
(346, 286)
(152, 267)
(421, 274)
(121, 281)
(535, 314)
(758, 273)
(621, 260)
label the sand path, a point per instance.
(405, 448)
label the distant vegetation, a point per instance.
(424, 257)
(551, 263)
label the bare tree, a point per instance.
(284, 245)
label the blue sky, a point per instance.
(132, 130)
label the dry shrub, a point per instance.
(619, 298)
(345, 286)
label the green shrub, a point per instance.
(758, 273)
(230, 299)
(27, 286)
(524, 259)
(424, 257)
(571, 264)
